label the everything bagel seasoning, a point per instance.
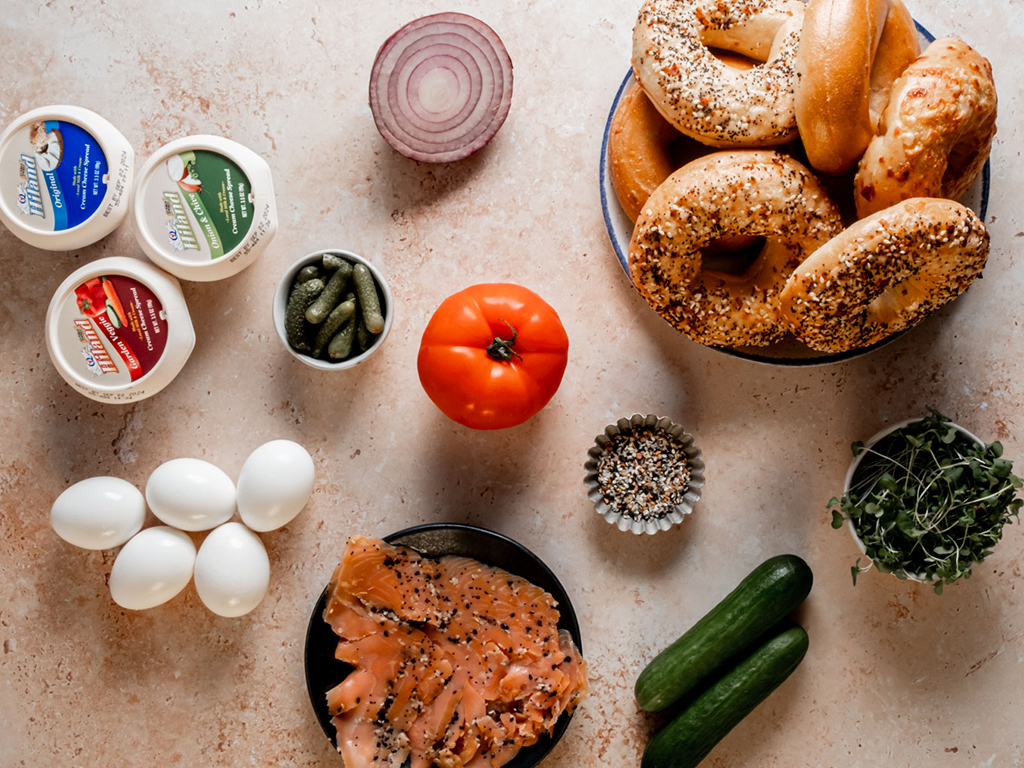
(643, 474)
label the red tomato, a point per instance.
(492, 355)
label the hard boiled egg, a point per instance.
(98, 513)
(191, 494)
(274, 485)
(232, 570)
(152, 568)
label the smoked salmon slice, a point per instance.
(457, 664)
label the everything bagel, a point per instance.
(937, 130)
(638, 151)
(705, 98)
(640, 143)
(850, 55)
(758, 193)
(884, 274)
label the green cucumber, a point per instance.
(112, 316)
(687, 739)
(773, 590)
(318, 311)
(369, 301)
(301, 297)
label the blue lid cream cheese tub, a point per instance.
(204, 207)
(118, 330)
(65, 177)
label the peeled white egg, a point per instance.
(152, 568)
(98, 513)
(232, 570)
(191, 494)
(274, 485)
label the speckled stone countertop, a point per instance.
(895, 676)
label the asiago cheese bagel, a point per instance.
(850, 55)
(639, 145)
(884, 274)
(936, 131)
(759, 193)
(705, 98)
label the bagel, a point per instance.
(638, 151)
(897, 50)
(936, 131)
(640, 142)
(700, 95)
(850, 54)
(884, 274)
(760, 193)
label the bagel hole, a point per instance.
(732, 255)
(683, 150)
(734, 60)
(895, 299)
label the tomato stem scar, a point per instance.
(501, 349)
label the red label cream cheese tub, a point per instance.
(118, 330)
(65, 177)
(204, 207)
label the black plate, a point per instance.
(323, 671)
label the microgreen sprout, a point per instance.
(928, 501)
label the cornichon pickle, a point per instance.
(341, 345)
(295, 313)
(330, 326)
(369, 302)
(333, 261)
(362, 335)
(306, 274)
(318, 311)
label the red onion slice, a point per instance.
(441, 87)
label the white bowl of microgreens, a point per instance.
(333, 309)
(926, 500)
(644, 474)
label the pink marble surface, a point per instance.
(895, 676)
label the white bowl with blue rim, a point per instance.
(789, 351)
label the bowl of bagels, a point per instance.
(791, 177)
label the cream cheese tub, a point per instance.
(204, 208)
(118, 330)
(65, 177)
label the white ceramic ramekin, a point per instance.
(284, 288)
(848, 482)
